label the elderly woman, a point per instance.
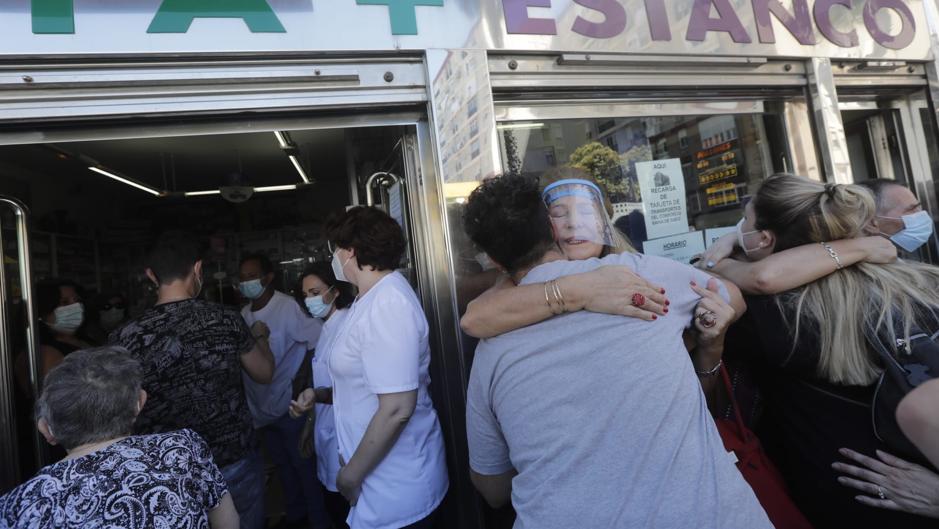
(110, 478)
(394, 473)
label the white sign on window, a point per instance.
(663, 197)
(712, 234)
(682, 247)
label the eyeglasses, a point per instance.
(109, 306)
(332, 247)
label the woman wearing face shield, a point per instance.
(820, 373)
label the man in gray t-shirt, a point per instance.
(597, 420)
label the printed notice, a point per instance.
(682, 247)
(712, 234)
(663, 197)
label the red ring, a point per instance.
(638, 299)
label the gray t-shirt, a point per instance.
(603, 417)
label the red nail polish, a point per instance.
(694, 284)
(666, 310)
(654, 317)
(663, 290)
(667, 302)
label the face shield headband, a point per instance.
(577, 213)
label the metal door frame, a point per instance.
(10, 471)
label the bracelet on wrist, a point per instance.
(833, 254)
(711, 372)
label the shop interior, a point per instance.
(95, 208)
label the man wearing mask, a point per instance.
(192, 353)
(293, 333)
(900, 216)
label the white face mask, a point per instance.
(740, 238)
(338, 266)
(68, 318)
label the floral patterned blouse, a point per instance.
(159, 481)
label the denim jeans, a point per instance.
(303, 494)
(245, 479)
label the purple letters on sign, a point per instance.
(517, 20)
(799, 22)
(907, 32)
(613, 25)
(701, 22)
(822, 11)
(658, 20)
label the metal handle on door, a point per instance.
(32, 340)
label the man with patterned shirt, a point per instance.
(193, 353)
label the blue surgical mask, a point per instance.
(251, 289)
(918, 228)
(317, 307)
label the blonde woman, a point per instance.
(820, 371)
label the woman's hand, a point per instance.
(303, 404)
(348, 485)
(612, 289)
(720, 249)
(878, 250)
(712, 315)
(891, 483)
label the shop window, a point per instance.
(718, 160)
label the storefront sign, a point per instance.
(663, 197)
(885, 29)
(721, 16)
(682, 247)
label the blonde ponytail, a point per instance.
(844, 306)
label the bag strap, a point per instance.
(886, 356)
(738, 418)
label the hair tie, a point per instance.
(830, 190)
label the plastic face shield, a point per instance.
(577, 214)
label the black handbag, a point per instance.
(907, 364)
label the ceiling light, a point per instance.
(296, 164)
(275, 188)
(281, 139)
(512, 126)
(202, 193)
(127, 181)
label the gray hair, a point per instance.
(91, 396)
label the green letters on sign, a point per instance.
(402, 12)
(175, 16)
(53, 16)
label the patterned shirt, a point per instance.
(190, 351)
(145, 481)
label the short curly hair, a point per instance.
(376, 237)
(506, 218)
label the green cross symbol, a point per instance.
(403, 13)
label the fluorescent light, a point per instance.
(511, 126)
(281, 139)
(275, 188)
(296, 164)
(202, 193)
(127, 181)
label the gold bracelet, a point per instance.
(558, 296)
(547, 300)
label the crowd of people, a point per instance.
(609, 388)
